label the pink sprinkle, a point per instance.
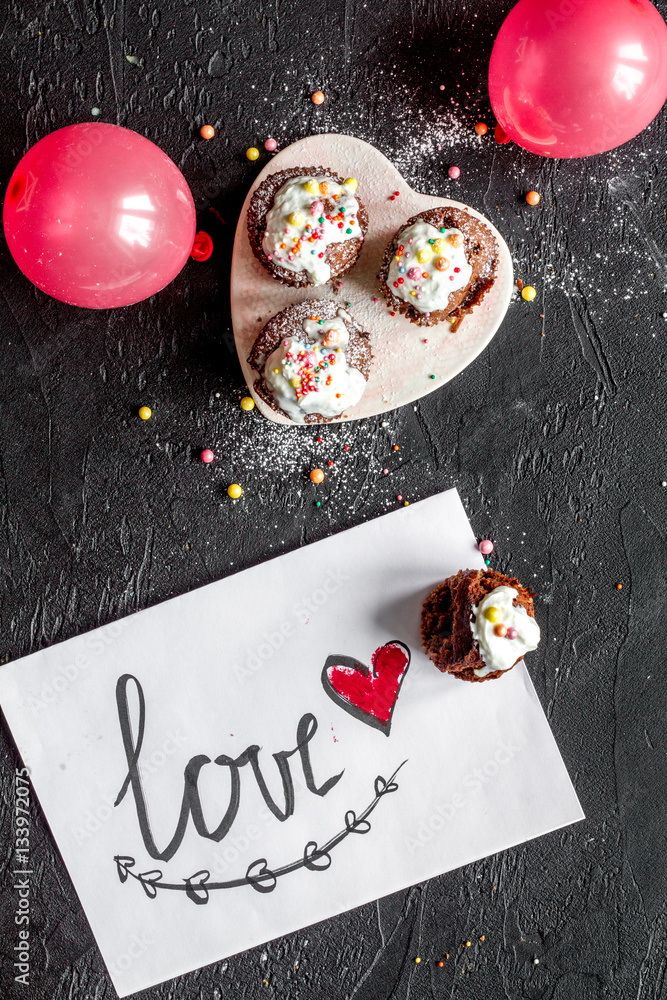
(399, 497)
(414, 274)
(409, 241)
(375, 299)
(386, 472)
(512, 633)
(454, 172)
(269, 257)
(270, 144)
(426, 340)
(486, 546)
(442, 86)
(207, 456)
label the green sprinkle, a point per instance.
(320, 322)
(318, 503)
(321, 219)
(341, 208)
(442, 229)
(487, 562)
(431, 376)
(431, 242)
(348, 230)
(347, 305)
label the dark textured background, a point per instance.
(553, 437)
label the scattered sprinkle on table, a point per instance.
(619, 586)
(528, 293)
(346, 447)
(145, 412)
(320, 440)
(386, 473)
(454, 173)
(485, 546)
(207, 131)
(270, 145)
(247, 403)
(481, 128)
(234, 491)
(417, 960)
(329, 463)
(441, 964)
(533, 198)
(207, 456)
(399, 497)
(396, 448)
(252, 153)
(431, 376)
(316, 476)
(318, 97)
(318, 503)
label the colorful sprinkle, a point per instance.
(486, 546)
(247, 403)
(207, 456)
(399, 497)
(533, 198)
(318, 503)
(270, 145)
(317, 476)
(207, 131)
(512, 633)
(500, 630)
(252, 153)
(145, 412)
(317, 97)
(481, 128)
(492, 615)
(454, 173)
(619, 586)
(234, 491)
(431, 376)
(528, 293)
(418, 960)
(386, 472)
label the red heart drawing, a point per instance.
(368, 695)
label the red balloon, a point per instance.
(98, 216)
(576, 77)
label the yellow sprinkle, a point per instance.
(252, 153)
(276, 371)
(492, 614)
(528, 293)
(406, 503)
(311, 187)
(423, 256)
(413, 293)
(438, 246)
(418, 960)
(352, 183)
(467, 944)
(145, 412)
(247, 403)
(234, 491)
(295, 218)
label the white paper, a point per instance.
(238, 664)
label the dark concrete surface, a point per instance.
(554, 437)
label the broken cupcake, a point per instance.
(439, 266)
(313, 362)
(478, 624)
(306, 225)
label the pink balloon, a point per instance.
(98, 216)
(576, 77)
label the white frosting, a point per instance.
(405, 278)
(314, 377)
(301, 245)
(500, 653)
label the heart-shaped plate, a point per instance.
(402, 363)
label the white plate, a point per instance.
(402, 363)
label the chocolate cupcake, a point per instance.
(478, 624)
(313, 362)
(306, 225)
(439, 266)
